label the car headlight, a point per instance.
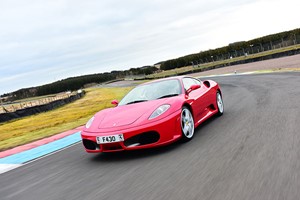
(159, 111)
(89, 123)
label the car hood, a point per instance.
(124, 116)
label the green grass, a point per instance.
(176, 71)
(28, 129)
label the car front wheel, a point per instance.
(187, 124)
(220, 104)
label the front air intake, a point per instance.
(88, 144)
(142, 139)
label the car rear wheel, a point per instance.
(220, 104)
(187, 124)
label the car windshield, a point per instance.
(152, 91)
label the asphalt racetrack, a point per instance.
(251, 152)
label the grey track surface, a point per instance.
(251, 152)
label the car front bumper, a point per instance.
(157, 133)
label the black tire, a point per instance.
(187, 124)
(220, 103)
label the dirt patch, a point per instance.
(125, 83)
(277, 63)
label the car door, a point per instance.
(199, 98)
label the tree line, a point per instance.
(75, 83)
(236, 49)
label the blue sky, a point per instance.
(49, 40)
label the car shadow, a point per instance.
(122, 156)
(135, 154)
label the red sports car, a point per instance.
(153, 114)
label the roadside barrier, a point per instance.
(4, 117)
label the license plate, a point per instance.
(109, 139)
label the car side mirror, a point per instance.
(192, 88)
(115, 102)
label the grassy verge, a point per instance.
(28, 129)
(206, 65)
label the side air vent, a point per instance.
(206, 83)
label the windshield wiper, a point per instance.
(137, 101)
(168, 95)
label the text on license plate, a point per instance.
(109, 139)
